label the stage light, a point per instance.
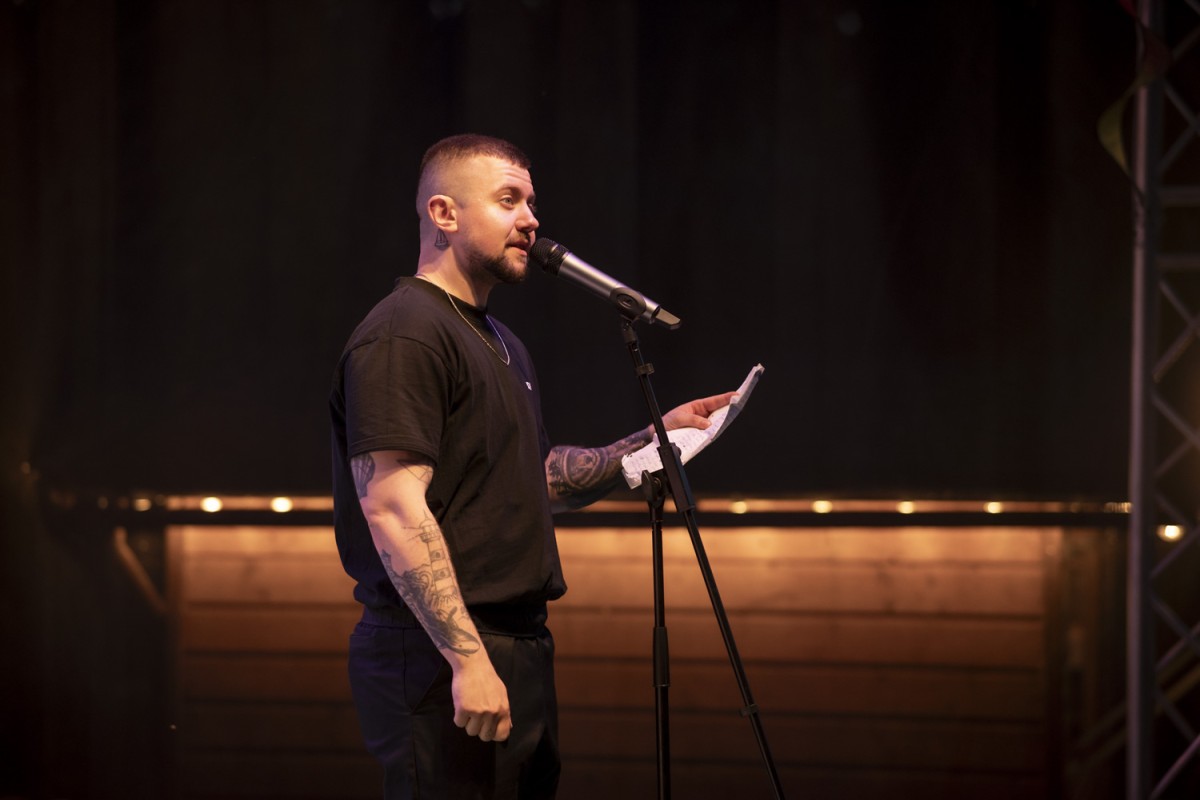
(281, 505)
(822, 506)
(906, 507)
(1170, 533)
(994, 507)
(141, 504)
(211, 504)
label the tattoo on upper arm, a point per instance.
(431, 591)
(363, 468)
(418, 467)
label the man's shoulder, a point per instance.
(406, 311)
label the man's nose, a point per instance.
(529, 221)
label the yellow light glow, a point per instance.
(211, 504)
(281, 505)
(822, 506)
(141, 504)
(994, 507)
(1170, 533)
(906, 507)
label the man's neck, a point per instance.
(443, 271)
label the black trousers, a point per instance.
(401, 688)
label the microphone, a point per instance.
(558, 260)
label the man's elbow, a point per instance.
(382, 512)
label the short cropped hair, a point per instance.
(469, 145)
(460, 148)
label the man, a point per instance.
(444, 486)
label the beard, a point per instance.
(499, 267)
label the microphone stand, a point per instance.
(672, 480)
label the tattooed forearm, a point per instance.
(431, 591)
(582, 475)
(363, 469)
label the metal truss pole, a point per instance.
(1139, 668)
(1164, 474)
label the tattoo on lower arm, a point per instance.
(581, 475)
(431, 591)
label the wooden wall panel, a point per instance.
(832, 741)
(888, 662)
(286, 629)
(277, 773)
(860, 690)
(263, 618)
(833, 638)
(628, 779)
(869, 650)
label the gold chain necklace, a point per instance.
(506, 359)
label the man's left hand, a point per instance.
(696, 413)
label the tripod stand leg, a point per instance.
(653, 489)
(749, 707)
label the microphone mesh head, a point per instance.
(549, 254)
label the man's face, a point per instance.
(496, 219)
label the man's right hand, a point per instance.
(480, 699)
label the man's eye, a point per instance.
(508, 201)
(533, 208)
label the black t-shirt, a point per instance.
(416, 375)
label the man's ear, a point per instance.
(443, 212)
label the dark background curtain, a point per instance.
(900, 208)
